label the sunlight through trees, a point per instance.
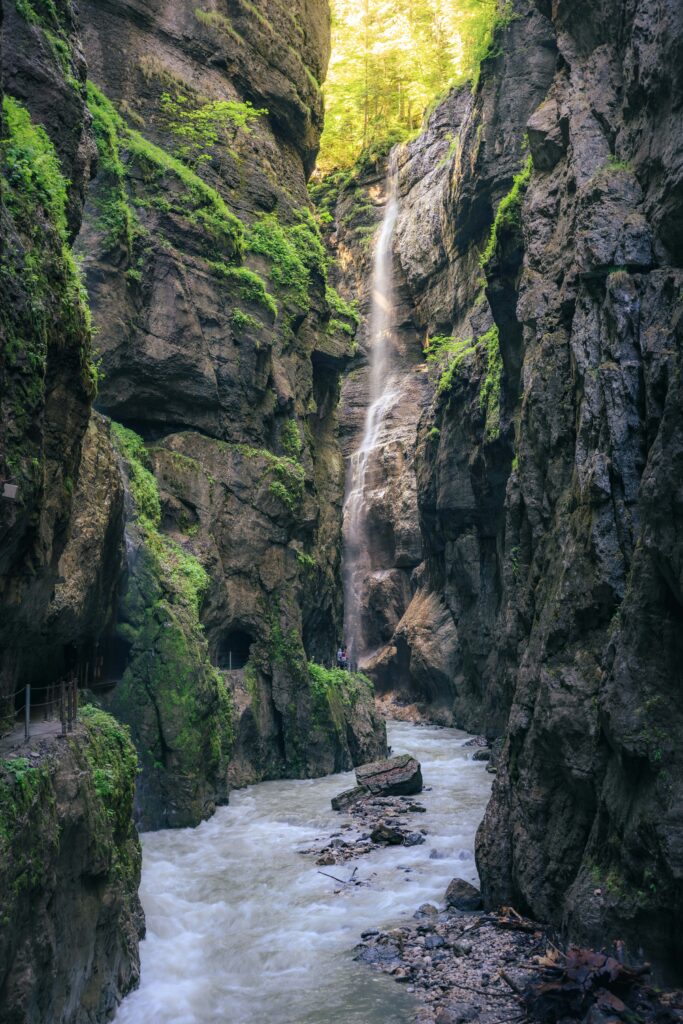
(390, 59)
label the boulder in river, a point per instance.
(394, 776)
(462, 896)
(348, 798)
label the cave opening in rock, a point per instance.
(234, 649)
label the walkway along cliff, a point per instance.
(183, 375)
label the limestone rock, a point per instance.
(461, 895)
(395, 776)
(77, 908)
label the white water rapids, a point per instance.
(382, 393)
(243, 929)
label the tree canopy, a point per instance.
(390, 59)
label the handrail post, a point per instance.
(62, 707)
(27, 713)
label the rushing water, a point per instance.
(243, 929)
(383, 391)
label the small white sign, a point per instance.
(10, 491)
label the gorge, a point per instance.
(426, 399)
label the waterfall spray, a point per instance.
(382, 393)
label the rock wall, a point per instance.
(48, 379)
(195, 600)
(69, 875)
(221, 348)
(539, 244)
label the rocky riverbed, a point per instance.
(463, 964)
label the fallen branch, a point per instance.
(509, 981)
(343, 881)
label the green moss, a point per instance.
(451, 354)
(250, 285)
(295, 252)
(243, 322)
(335, 692)
(291, 439)
(52, 22)
(142, 483)
(49, 308)
(119, 219)
(218, 24)
(202, 204)
(509, 211)
(175, 701)
(307, 562)
(113, 763)
(489, 395)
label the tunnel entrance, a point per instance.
(234, 649)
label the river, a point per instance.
(243, 929)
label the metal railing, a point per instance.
(61, 703)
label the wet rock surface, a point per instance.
(500, 967)
(375, 821)
(69, 874)
(545, 610)
(395, 776)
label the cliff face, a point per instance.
(589, 631)
(47, 375)
(221, 351)
(546, 279)
(69, 870)
(202, 597)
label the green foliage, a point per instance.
(348, 310)
(218, 24)
(201, 126)
(509, 211)
(243, 322)
(118, 217)
(202, 204)
(295, 252)
(32, 168)
(615, 164)
(451, 356)
(142, 483)
(390, 58)
(250, 285)
(454, 354)
(489, 396)
(290, 439)
(336, 326)
(307, 562)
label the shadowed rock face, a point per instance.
(224, 358)
(548, 604)
(70, 871)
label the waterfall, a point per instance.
(382, 393)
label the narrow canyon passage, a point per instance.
(242, 927)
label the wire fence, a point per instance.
(59, 701)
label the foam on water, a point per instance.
(243, 929)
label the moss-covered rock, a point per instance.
(69, 874)
(175, 702)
